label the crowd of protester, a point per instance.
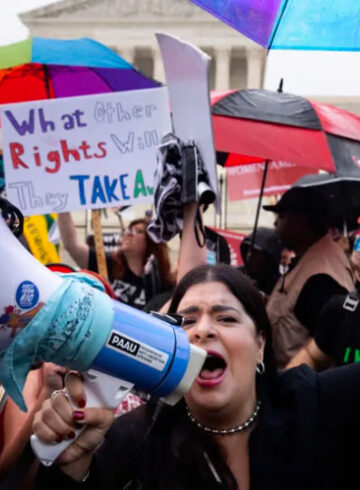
(291, 310)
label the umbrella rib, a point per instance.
(46, 80)
(277, 25)
(94, 70)
(133, 69)
(90, 68)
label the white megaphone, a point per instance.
(141, 351)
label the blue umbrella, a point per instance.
(292, 24)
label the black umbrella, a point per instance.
(342, 194)
(262, 126)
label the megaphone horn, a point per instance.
(44, 317)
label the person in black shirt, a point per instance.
(241, 425)
(314, 295)
(337, 333)
(319, 270)
(138, 270)
(261, 258)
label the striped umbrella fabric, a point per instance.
(41, 68)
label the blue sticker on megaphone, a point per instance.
(357, 244)
(27, 295)
(210, 257)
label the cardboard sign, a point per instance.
(244, 181)
(83, 152)
(186, 69)
(36, 232)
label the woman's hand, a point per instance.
(52, 377)
(57, 420)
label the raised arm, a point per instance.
(78, 251)
(191, 254)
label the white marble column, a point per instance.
(255, 66)
(159, 73)
(222, 68)
(128, 54)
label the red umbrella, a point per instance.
(260, 125)
(257, 125)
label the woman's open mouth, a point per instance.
(213, 370)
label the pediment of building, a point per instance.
(132, 10)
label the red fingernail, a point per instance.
(71, 435)
(59, 439)
(82, 403)
(77, 415)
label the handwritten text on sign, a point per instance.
(83, 152)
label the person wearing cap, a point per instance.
(262, 258)
(320, 270)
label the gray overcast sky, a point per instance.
(307, 73)
(314, 72)
(11, 29)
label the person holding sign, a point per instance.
(138, 269)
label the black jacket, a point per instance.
(306, 438)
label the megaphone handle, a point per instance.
(102, 390)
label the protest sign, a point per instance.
(39, 231)
(83, 152)
(244, 181)
(186, 69)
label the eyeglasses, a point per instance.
(134, 231)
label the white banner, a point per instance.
(83, 152)
(186, 69)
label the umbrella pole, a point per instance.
(221, 196)
(259, 204)
(345, 223)
(46, 76)
(226, 201)
(345, 226)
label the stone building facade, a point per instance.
(128, 27)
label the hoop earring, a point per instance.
(260, 368)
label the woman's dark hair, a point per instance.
(159, 250)
(189, 449)
(242, 288)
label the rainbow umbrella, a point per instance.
(41, 68)
(292, 24)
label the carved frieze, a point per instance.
(110, 9)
